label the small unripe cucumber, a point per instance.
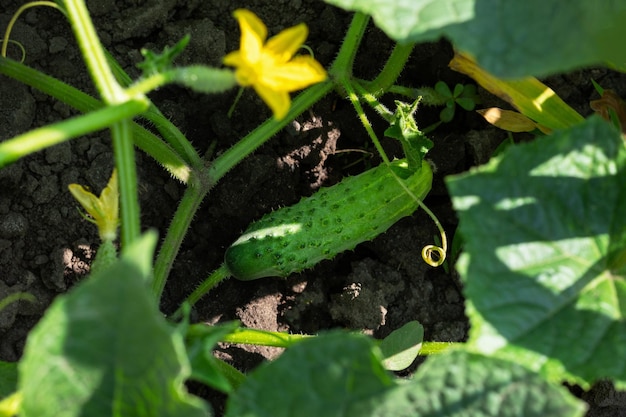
(332, 220)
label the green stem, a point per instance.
(373, 102)
(404, 91)
(354, 99)
(145, 140)
(246, 336)
(49, 85)
(342, 66)
(285, 340)
(93, 52)
(16, 296)
(192, 198)
(130, 224)
(215, 278)
(434, 348)
(43, 137)
(112, 93)
(167, 129)
(264, 338)
(392, 69)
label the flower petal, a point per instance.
(233, 59)
(253, 35)
(90, 202)
(104, 209)
(284, 45)
(277, 100)
(296, 74)
(110, 198)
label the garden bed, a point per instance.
(46, 246)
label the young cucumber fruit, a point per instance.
(332, 220)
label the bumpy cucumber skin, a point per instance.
(332, 220)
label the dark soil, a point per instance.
(46, 247)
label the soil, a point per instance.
(46, 247)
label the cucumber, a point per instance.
(332, 220)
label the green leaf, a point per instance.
(154, 63)
(104, 349)
(404, 128)
(8, 378)
(447, 113)
(200, 342)
(509, 38)
(467, 104)
(141, 252)
(402, 345)
(321, 376)
(442, 88)
(458, 90)
(460, 384)
(545, 234)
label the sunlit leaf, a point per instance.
(105, 350)
(544, 267)
(510, 38)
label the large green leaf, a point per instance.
(545, 236)
(322, 376)
(459, 384)
(340, 374)
(105, 350)
(509, 38)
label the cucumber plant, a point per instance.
(338, 218)
(331, 221)
(334, 220)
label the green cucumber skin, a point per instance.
(332, 220)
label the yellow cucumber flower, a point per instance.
(270, 67)
(104, 210)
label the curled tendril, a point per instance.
(19, 45)
(17, 14)
(433, 255)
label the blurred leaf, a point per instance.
(458, 89)
(8, 378)
(443, 89)
(325, 376)
(402, 346)
(104, 349)
(154, 62)
(467, 104)
(509, 120)
(510, 38)
(10, 405)
(544, 264)
(528, 95)
(141, 252)
(204, 366)
(447, 114)
(611, 107)
(460, 384)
